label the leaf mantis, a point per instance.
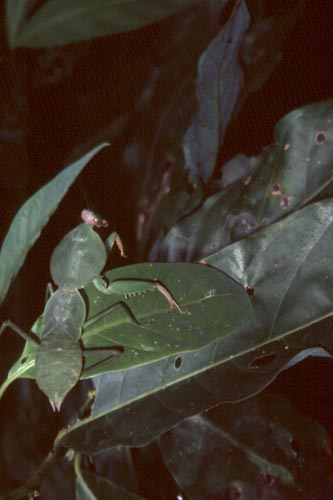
(77, 260)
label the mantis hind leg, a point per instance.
(112, 353)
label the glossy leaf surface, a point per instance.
(289, 267)
(161, 333)
(215, 305)
(290, 293)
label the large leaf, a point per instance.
(165, 110)
(59, 22)
(219, 83)
(32, 217)
(290, 270)
(235, 446)
(258, 191)
(161, 334)
(216, 306)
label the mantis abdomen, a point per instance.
(59, 358)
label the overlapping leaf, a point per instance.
(290, 271)
(287, 175)
(211, 300)
(289, 267)
(161, 334)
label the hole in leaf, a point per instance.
(250, 290)
(275, 189)
(263, 360)
(285, 202)
(321, 138)
(178, 362)
(24, 360)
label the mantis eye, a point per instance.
(93, 220)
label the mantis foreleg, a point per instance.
(114, 238)
(132, 287)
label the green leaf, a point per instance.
(15, 12)
(290, 270)
(161, 333)
(59, 22)
(242, 443)
(220, 80)
(32, 217)
(216, 306)
(166, 350)
(24, 367)
(289, 267)
(283, 178)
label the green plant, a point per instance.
(248, 258)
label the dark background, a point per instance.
(58, 103)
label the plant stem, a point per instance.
(36, 480)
